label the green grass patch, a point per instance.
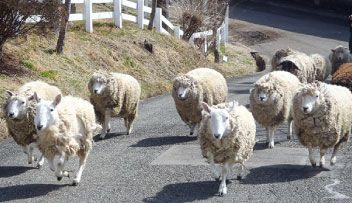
(28, 65)
(222, 49)
(51, 74)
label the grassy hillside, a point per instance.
(112, 49)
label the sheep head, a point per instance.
(47, 112)
(340, 54)
(98, 82)
(311, 97)
(184, 86)
(218, 119)
(266, 91)
(16, 105)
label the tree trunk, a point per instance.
(64, 22)
(2, 43)
(164, 5)
(152, 15)
(217, 56)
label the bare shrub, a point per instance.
(15, 13)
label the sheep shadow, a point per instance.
(21, 192)
(9, 171)
(195, 191)
(161, 141)
(280, 173)
(108, 136)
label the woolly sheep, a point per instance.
(114, 95)
(343, 76)
(276, 60)
(306, 68)
(198, 85)
(226, 136)
(339, 56)
(20, 111)
(65, 127)
(271, 102)
(322, 118)
(259, 61)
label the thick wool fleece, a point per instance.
(343, 76)
(121, 94)
(322, 67)
(329, 122)
(281, 53)
(237, 144)
(22, 129)
(65, 132)
(307, 72)
(206, 85)
(281, 87)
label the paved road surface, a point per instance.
(159, 162)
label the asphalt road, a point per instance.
(120, 168)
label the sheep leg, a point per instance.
(271, 137)
(213, 168)
(310, 150)
(82, 163)
(267, 136)
(223, 188)
(289, 135)
(240, 173)
(40, 162)
(60, 165)
(51, 163)
(129, 124)
(106, 126)
(333, 156)
(322, 157)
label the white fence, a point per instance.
(88, 16)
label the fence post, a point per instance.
(146, 3)
(157, 20)
(88, 15)
(222, 31)
(140, 17)
(227, 24)
(177, 32)
(218, 38)
(118, 13)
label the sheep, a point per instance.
(199, 85)
(65, 128)
(259, 61)
(271, 102)
(20, 111)
(114, 95)
(322, 118)
(339, 56)
(306, 68)
(226, 136)
(343, 76)
(281, 53)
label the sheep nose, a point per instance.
(95, 91)
(262, 98)
(11, 115)
(305, 109)
(39, 127)
(216, 135)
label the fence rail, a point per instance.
(88, 16)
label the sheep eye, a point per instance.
(22, 102)
(316, 96)
(227, 118)
(51, 109)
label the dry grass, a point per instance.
(112, 49)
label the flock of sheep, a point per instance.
(37, 115)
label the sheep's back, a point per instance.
(343, 76)
(43, 89)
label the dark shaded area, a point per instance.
(280, 173)
(9, 171)
(239, 91)
(20, 192)
(108, 136)
(195, 191)
(161, 141)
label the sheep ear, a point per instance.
(30, 98)
(206, 107)
(333, 50)
(57, 99)
(36, 97)
(250, 90)
(10, 93)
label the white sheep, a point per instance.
(322, 118)
(306, 68)
(199, 85)
(20, 111)
(227, 136)
(65, 127)
(338, 56)
(114, 95)
(271, 102)
(276, 59)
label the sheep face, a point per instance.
(340, 54)
(311, 98)
(265, 95)
(98, 82)
(46, 112)
(183, 87)
(218, 121)
(98, 88)
(16, 106)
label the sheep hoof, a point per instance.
(239, 177)
(228, 181)
(321, 164)
(191, 133)
(35, 159)
(59, 178)
(221, 194)
(314, 165)
(74, 183)
(39, 166)
(101, 138)
(332, 163)
(217, 179)
(108, 130)
(29, 162)
(288, 137)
